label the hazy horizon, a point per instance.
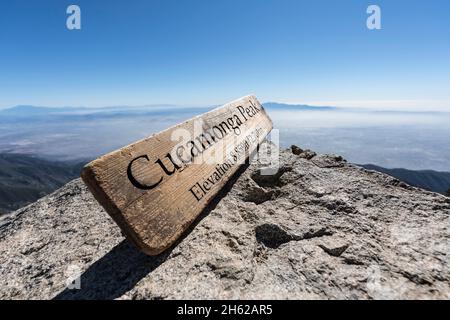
(290, 51)
(206, 106)
(410, 140)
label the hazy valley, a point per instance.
(43, 148)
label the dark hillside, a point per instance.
(426, 179)
(24, 179)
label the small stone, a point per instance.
(296, 150)
(308, 154)
(334, 251)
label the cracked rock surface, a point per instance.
(318, 228)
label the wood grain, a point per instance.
(156, 187)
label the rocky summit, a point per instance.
(318, 228)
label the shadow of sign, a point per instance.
(114, 274)
(118, 271)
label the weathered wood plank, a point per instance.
(155, 188)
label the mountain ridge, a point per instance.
(32, 177)
(323, 229)
(285, 106)
(25, 178)
(431, 180)
(36, 110)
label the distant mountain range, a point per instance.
(24, 179)
(30, 111)
(32, 114)
(426, 179)
(284, 106)
(36, 110)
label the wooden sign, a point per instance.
(155, 188)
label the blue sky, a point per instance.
(199, 52)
